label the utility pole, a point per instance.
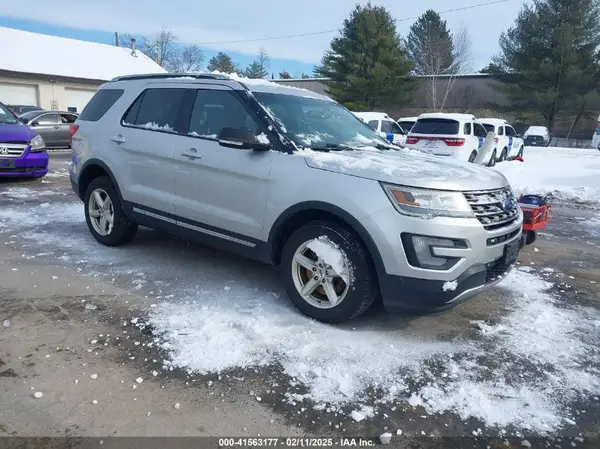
(116, 39)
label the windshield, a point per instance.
(316, 123)
(406, 125)
(435, 126)
(7, 117)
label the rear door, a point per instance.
(221, 191)
(512, 144)
(48, 126)
(148, 136)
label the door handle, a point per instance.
(118, 138)
(194, 154)
(56, 127)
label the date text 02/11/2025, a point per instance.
(296, 442)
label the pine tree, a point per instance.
(550, 58)
(366, 64)
(221, 62)
(429, 45)
(255, 70)
(284, 75)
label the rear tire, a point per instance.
(356, 290)
(492, 162)
(107, 221)
(472, 156)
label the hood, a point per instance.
(15, 132)
(407, 167)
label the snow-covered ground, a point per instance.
(570, 174)
(524, 369)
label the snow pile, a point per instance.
(522, 371)
(593, 226)
(569, 174)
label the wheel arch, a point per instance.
(92, 169)
(306, 212)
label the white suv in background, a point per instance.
(459, 136)
(385, 126)
(406, 123)
(508, 143)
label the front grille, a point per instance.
(495, 271)
(20, 169)
(502, 238)
(12, 149)
(494, 209)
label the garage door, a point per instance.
(77, 98)
(24, 94)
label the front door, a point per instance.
(220, 188)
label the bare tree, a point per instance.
(161, 49)
(189, 59)
(462, 61)
(263, 59)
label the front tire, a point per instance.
(472, 156)
(503, 155)
(310, 261)
(104, 214)
(520, 153)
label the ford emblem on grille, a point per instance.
(3, 150)
(508, 204)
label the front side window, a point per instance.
(47, 119)
(156, 109)
(489, 128)
(67, 118)
(510, 131)
(214, 110)
(388, 126)
(6, 116)
(317, 123)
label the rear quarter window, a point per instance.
(435, 126)
(100, 104)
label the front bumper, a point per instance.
(479, 265)
(29, 165)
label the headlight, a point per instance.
(37, 144)
(427, 203)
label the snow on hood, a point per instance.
(406, 167)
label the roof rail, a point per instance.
(200, 76)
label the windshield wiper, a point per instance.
(332, 147)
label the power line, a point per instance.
(315, 33)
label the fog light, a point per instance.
(425, 256)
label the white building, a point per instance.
(59, 73)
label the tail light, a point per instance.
(411, 140)
(72, 130)
(454, 142)
(496, 139)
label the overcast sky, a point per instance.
(205, 22)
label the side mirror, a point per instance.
(242, 139)
(34, 123)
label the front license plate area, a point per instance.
(511, 253)
(7, 163)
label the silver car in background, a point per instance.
(53, 126)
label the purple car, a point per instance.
(22, 151)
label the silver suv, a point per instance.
(289, 177)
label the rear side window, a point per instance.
(100, 104)
(435, 126)
(390, 127)
(479, 130)
(156, 109)
(491, 128)
(374, 124)
(467, 129)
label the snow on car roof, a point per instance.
(451, 116)
(26, 52)
(263, 85)
(537, 129)
(407, 119)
